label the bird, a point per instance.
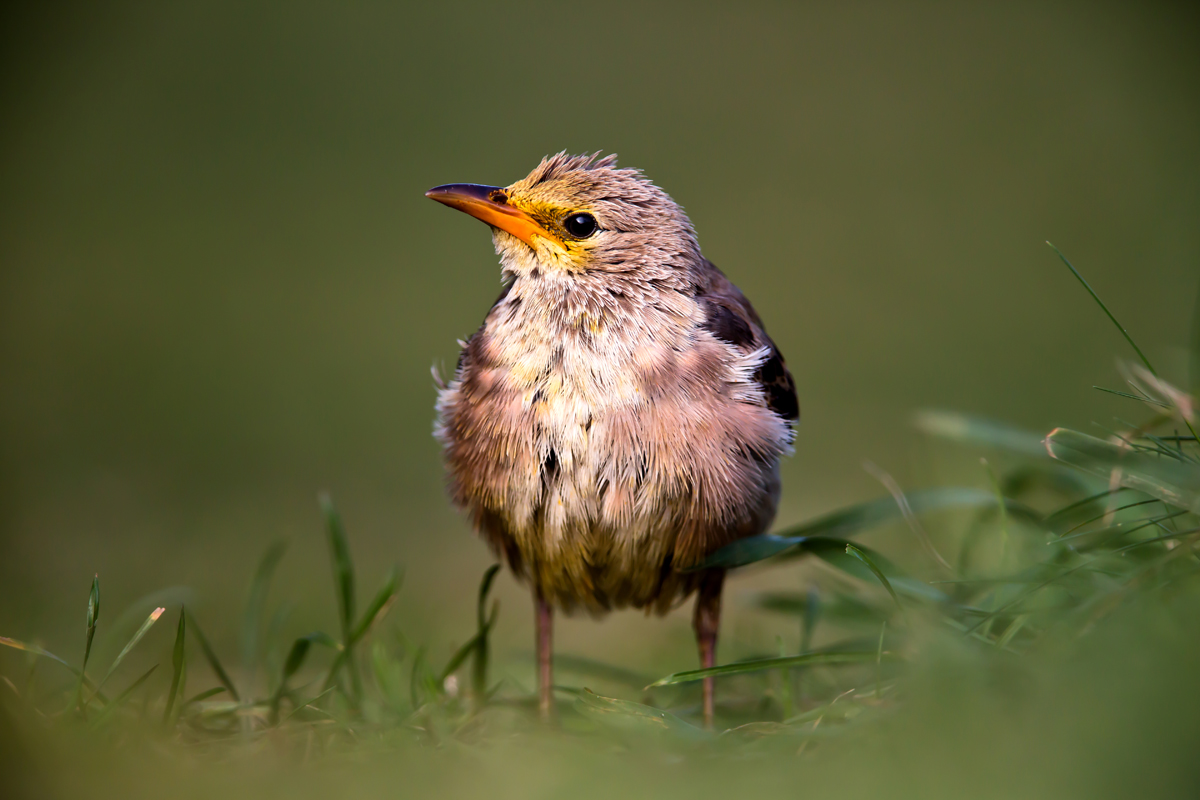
(621, 413)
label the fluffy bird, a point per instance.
(621, 412)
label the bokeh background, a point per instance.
(222, 289)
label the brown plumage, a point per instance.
(621, 412)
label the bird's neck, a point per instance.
(592, 340)
(598, 311)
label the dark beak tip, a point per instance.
(472, 191)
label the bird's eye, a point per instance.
(580, 226)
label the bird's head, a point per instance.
(579, 215)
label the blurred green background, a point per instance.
(222, 289)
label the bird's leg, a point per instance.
(706, 620)
(545, 655)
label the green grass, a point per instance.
(1037, 636)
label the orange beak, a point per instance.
(490, 204)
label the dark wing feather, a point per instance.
(778, 386)
(730, 317)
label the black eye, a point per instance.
(580, 226)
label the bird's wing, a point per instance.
(730, 317)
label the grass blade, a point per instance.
(295, 659)
(761, 664)
(343, 567)
(635, 717)
(93, 616)
(470, 647)
(906, 511)
(376, 608)
(375, 611)
(305, 705)
(485, 586)
(600, 670)
(960, 427)
(460, 657)
(211, 657)
(1071, 509)
(855, 552)
(118, 631)
(833, 552)
(325, 640)
(17, 644)
(1175, 483)
(201, 696)
(256, 603)
(122, 697)
(479, 663)
(422, 677)
(1119, 326)
(1013, 629)
(137, 637)
(177, 663)
(847, 522)
(343, 581)
(33, 649)
(1128, 396)
(1103, 307)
